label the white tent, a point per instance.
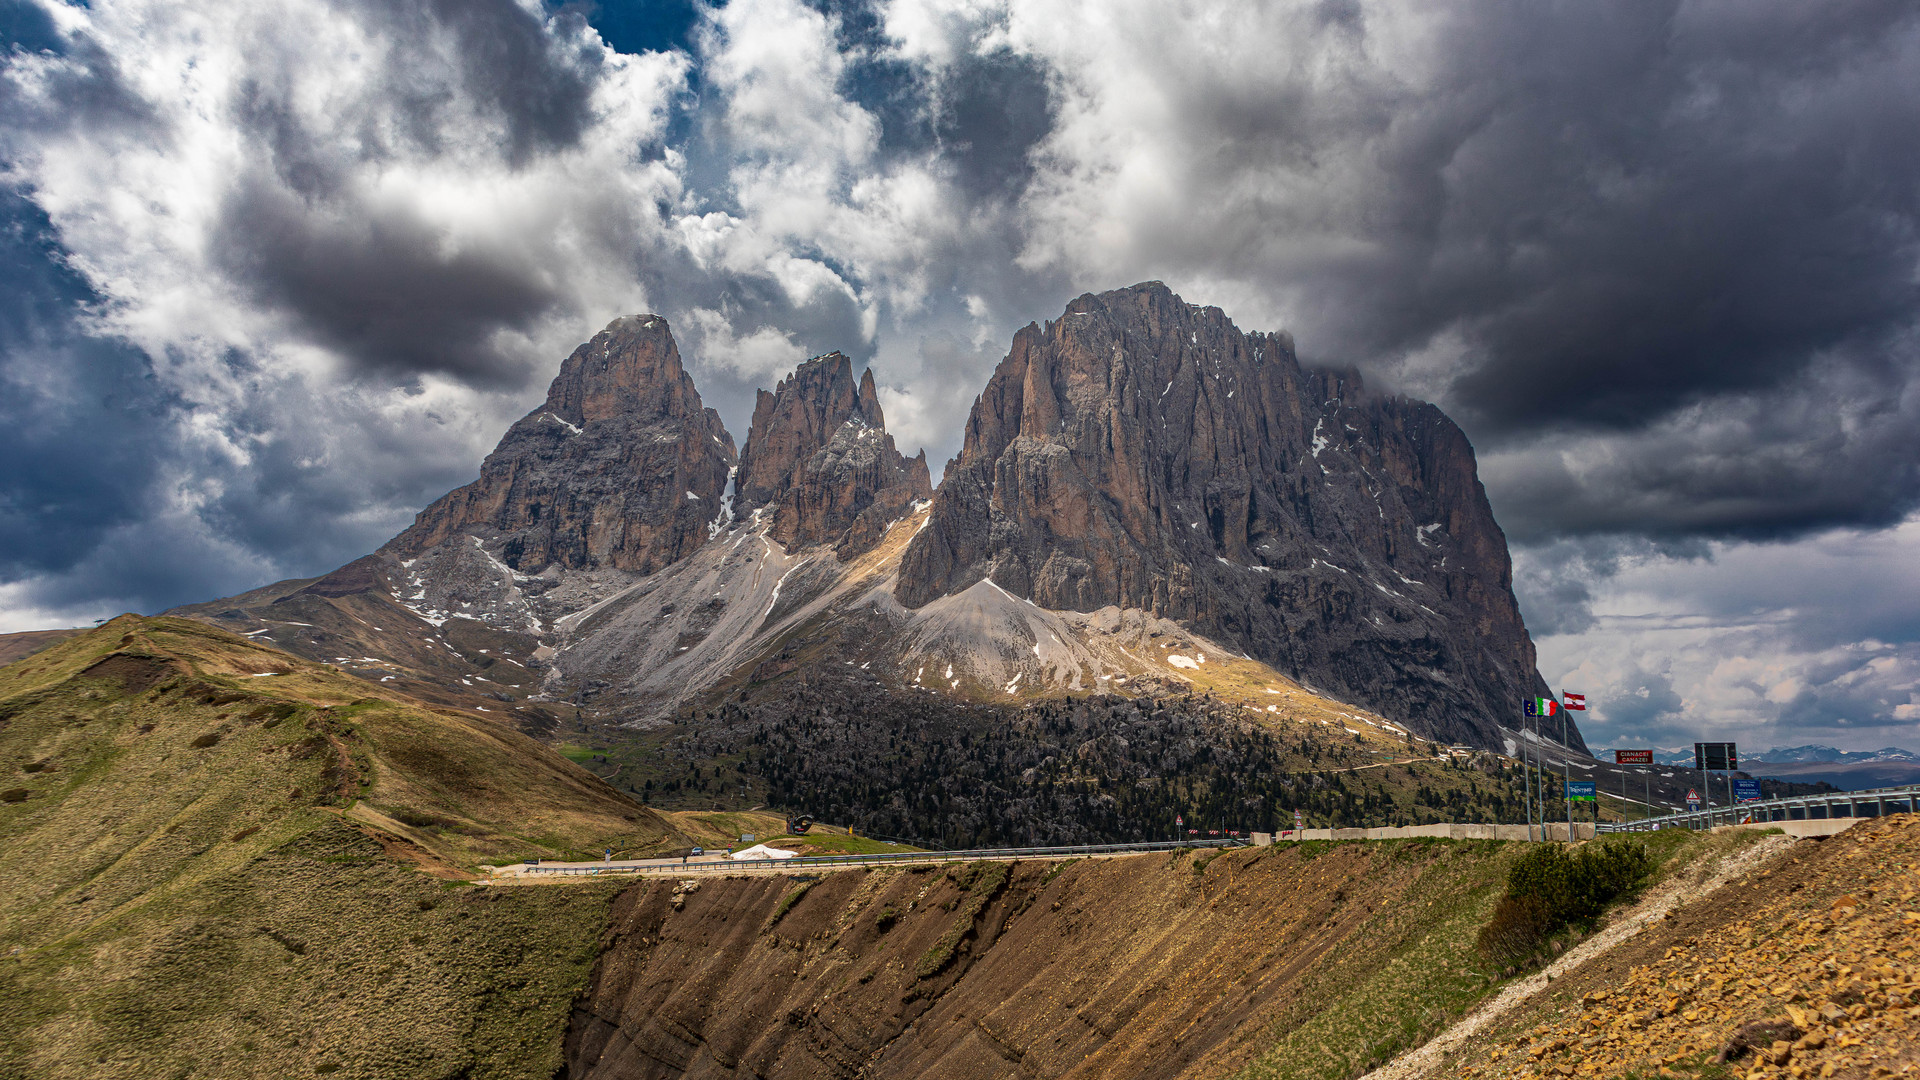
(762, 851)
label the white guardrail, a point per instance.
(1841, 804)
(842, 862)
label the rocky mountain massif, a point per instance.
(1148, 500)
(1143, 452)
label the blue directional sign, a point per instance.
(1746, 790)
(1580, 790)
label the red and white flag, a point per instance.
(1573, 702)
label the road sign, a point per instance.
(1179, 822)
(1693, 799)
(1580, 790)
(1715, 757)
(1746, 790)
(1299, 820)
(1633, 757)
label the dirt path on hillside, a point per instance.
(1693, 884)
(1383, 764)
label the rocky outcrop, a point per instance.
(1143, 452)
(621, 466)
(818, 460)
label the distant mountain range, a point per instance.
(1781, 755)
(1850, 770)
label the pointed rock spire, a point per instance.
(819, 460)
(622, 466)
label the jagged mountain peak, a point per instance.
(621, 467)
(630, 369)
(819, 460)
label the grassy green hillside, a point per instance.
(222, 860)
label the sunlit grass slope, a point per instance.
(218, 859)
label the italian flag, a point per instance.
(1543, 706)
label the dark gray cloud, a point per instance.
(383, 288)
(380, 286)
(1834, 445)
(508, 66)
(993, 110)
(1658, 203)
(1698, 229)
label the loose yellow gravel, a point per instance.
(1818, 980)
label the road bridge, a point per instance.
(1838, 807)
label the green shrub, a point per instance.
(1549, 889)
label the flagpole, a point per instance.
(1526, 775)
(1706, 789)
(1533, 780)
(1540, 777)
(1539, 774)
(1566, 770)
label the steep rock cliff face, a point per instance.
(1144, 452)
(622, 467)
(819, 461)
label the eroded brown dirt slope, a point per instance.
(1149, 966)
(1806, 967)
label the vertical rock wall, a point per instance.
(1144, 452)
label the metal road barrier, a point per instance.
(1845, 804)
(842, 862)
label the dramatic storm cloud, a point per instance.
(277, 273)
